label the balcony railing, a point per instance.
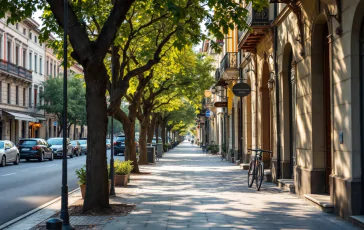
(217, 74)
(255, 18)
(230, 61)
(16, 70)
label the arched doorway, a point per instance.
(265, 115)
(361, 69)
(321, 106)
(288, 83)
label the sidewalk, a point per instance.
(188, 189)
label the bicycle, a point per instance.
(256, 169)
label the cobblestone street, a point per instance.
(189, 189)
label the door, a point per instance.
(14, 150)
(361, 43)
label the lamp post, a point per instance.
(112, 169)
(64, 207)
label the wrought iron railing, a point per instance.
(16, 70)
(230, 61)
(217, 74)
(255, 18)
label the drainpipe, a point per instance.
(275, 32)
(256, 100)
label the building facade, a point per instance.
(304, 61)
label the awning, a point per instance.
(20, 116)
(40, 118)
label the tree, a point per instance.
(93, 27)
(53, 100)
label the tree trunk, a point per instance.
(130, 148)
(69, 130)
(151, 128)
(74, 132)
(81, 133)
(163, 133)
(97, 188)
(143, 158)
(59, 132)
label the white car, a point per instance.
(9, 153)
(57, 147)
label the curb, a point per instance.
(31, 212)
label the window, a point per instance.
(40, 93)
(24, 31)
(51, 69)
(17, 95)
(24, 96)
(24, 57)
(1, 47)
(1, 92)
(9, 51)
(40, 65)
(30, 97)
(17, 55)
(30, 61)
(54, 70)
(35, 97)
(9, 96)
(47, 68)
(35, 63)
(35, 39)
(17, 26)
(30, 35)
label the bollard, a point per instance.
(54, 224)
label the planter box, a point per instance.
(83, 190)
(121, 180)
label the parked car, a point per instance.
(83, 144)
(57, 147)
(154, 140)
(119, 145)
(76, 148)
(9, 153)
(108, 144)
(35, 148)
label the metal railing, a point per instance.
(255, 18)
(230, 61)
(16, 70)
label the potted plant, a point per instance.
(122, 171)
(81, 175)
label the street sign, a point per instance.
(220, 104)
(55, 123)
(241, 89)
(208, 113)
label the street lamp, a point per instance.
(208, 93)
(271, 82)
(64, 207)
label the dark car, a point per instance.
(119, 145)
(34, 148)
(77, 150)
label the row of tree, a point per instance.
(132, 36)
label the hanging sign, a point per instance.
(220, 104)
(241, 89)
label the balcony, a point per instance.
(229, 65)
(14, 70)
(259, 23)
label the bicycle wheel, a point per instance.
(251, 174)
(260, 176)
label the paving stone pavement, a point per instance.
(191, 190)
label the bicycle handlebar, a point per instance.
(260, 150)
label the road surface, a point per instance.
(31, 184)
